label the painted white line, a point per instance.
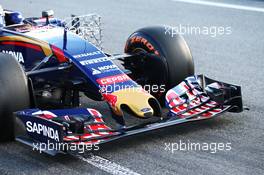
(106, 165)
(223, 5)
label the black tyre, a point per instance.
(169, 60)
(14, 94)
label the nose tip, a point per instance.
(145, 112)
(141, 103)
(148, 114)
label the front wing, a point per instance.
(196, 98)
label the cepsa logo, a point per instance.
(113, 79)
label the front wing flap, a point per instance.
(199, 96)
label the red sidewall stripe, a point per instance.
(28, 45)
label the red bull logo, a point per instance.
(111, 99)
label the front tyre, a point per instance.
(14, 94)
(167, 59)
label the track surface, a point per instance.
(236, 58)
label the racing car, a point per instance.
(47, 65)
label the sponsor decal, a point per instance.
(94, 61)
(113, 79)
(95, 71)
(107, 67)
(139, 39)
(42, 130)
(111, 99)
(145, 109)
(103, 69)
(87, 54)
(18, 55)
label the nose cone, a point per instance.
(135, 98)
